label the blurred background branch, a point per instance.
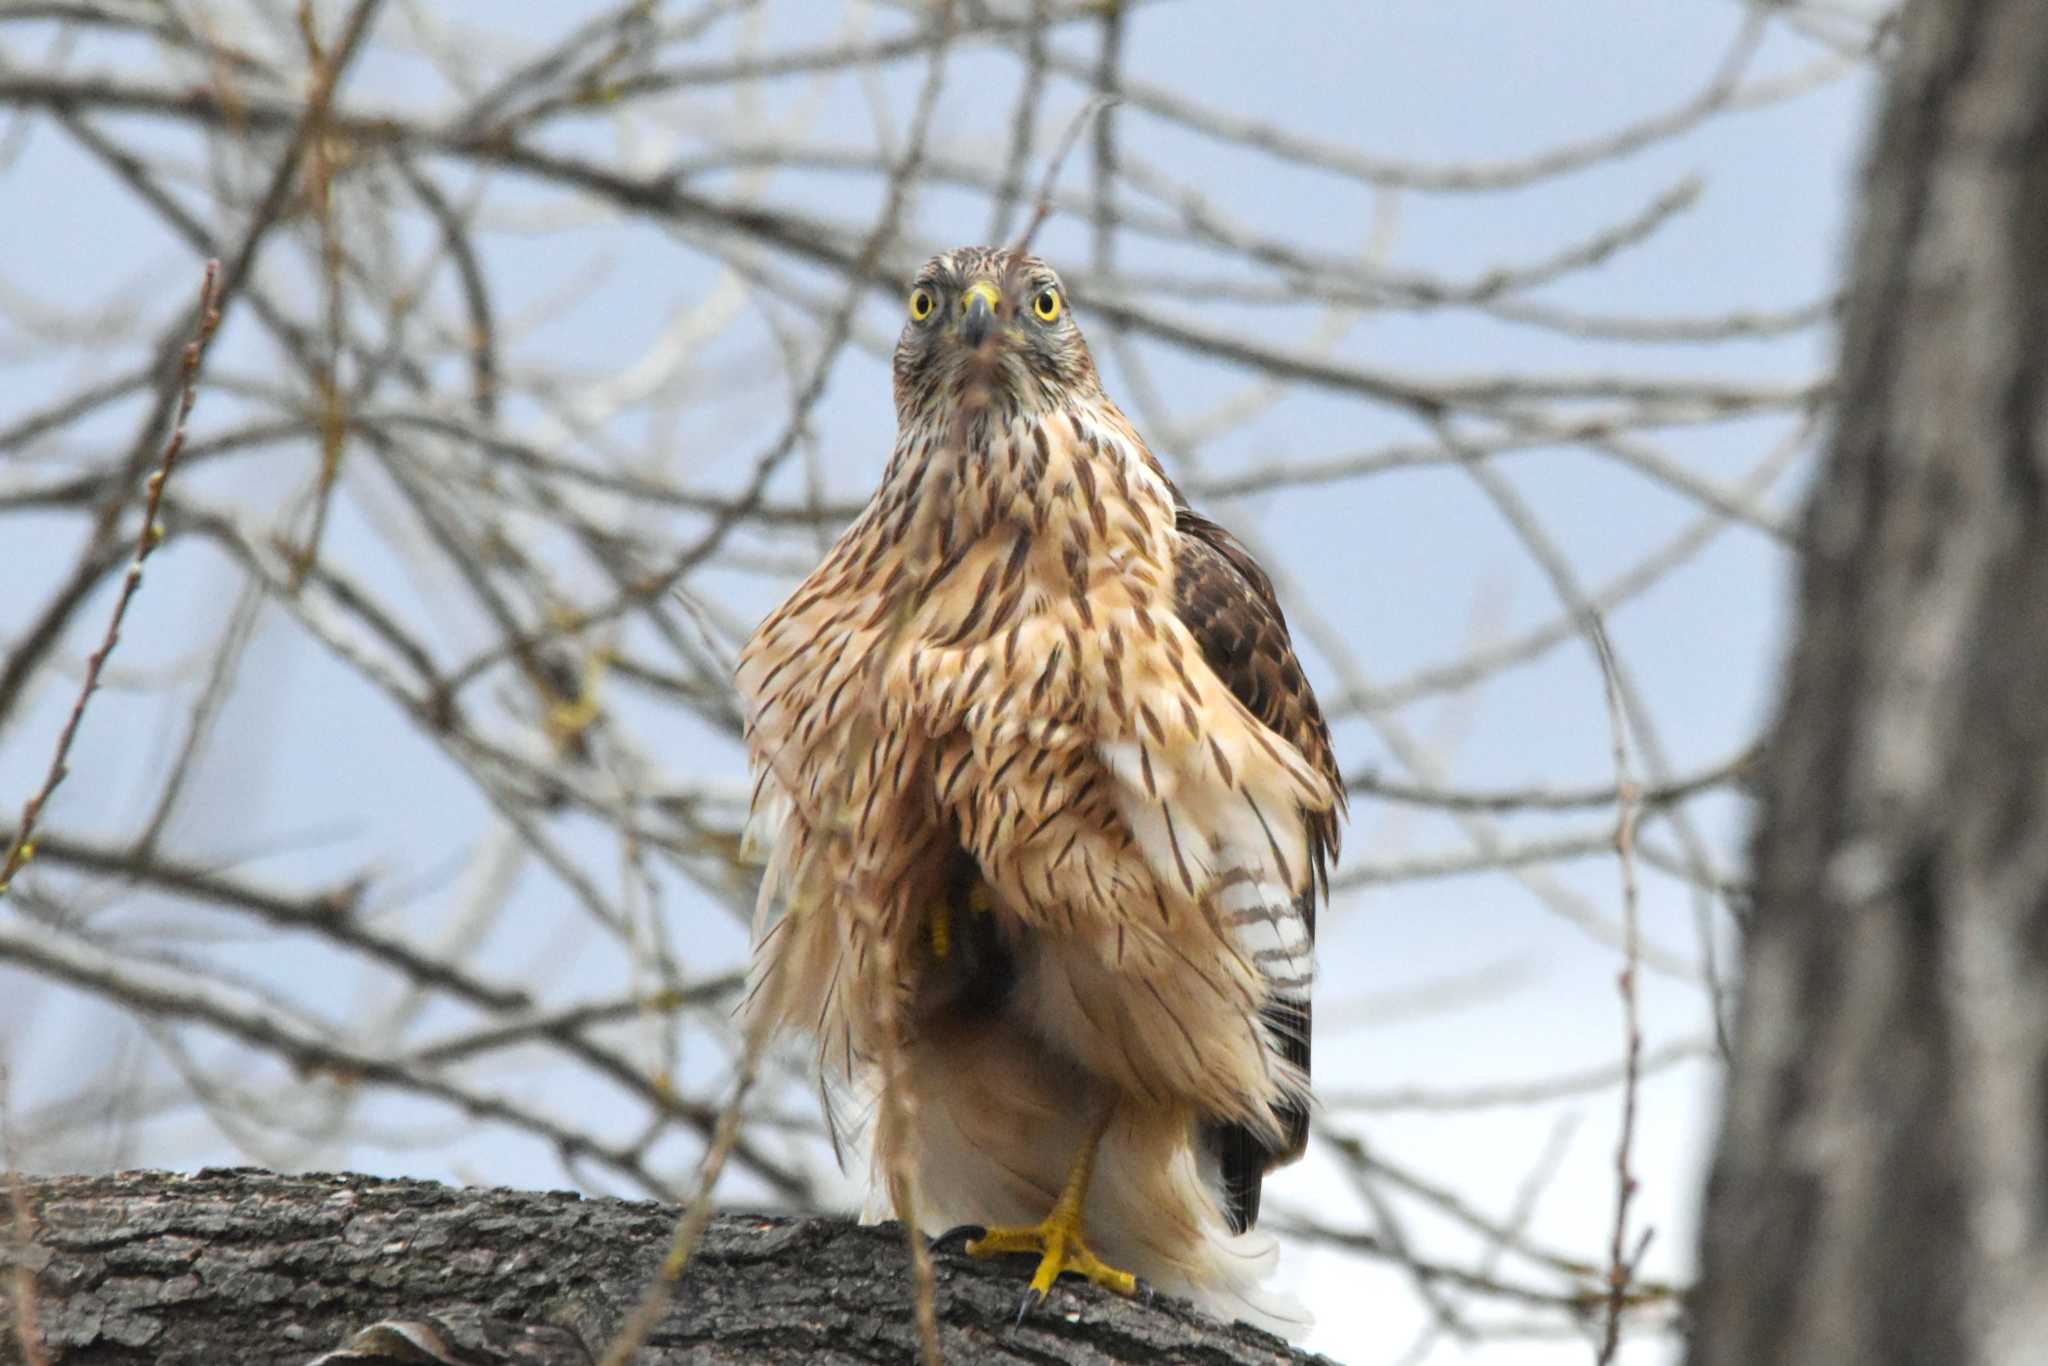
(403, 835)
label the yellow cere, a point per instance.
(1047, 305)
(982, 289)
(920, 304)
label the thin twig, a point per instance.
(690, 1228)
(146, 542)
(1533, 1092)
(1023, 124)
(1042, 208)
(899, 1114)
(1620, 1263)
(840, 328)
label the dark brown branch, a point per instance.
(254, 1268)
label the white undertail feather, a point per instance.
(999, 1121)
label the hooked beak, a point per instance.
(978, 313)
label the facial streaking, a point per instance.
(986, 326)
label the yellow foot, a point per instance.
(1061, 1250)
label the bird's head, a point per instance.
(988, 327)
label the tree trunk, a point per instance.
(1880, 1194)
(250, 1267)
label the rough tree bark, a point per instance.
(249, 1267)
(1881, 1190)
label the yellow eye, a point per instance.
(1046, 307)
(920, 304)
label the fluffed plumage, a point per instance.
(1045, 797)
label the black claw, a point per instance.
(1147, 1296)
(1032, 1299)
(957, 1238)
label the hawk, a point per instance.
(1047, 806)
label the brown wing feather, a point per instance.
(1228, 604)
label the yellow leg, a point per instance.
(1058, 1239)
(980, 900)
